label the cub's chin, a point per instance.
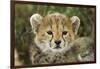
(55, 50)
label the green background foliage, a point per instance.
(23, 31)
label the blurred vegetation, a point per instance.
(23, 30)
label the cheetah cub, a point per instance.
(55, 39)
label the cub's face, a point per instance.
(54, 32)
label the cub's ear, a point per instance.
(35, 21)
(75, 23)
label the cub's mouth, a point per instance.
(57, 44)
(57, 47)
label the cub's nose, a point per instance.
(58, 42)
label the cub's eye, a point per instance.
(49, 32)
(64, 32)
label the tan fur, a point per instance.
(56, 23)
